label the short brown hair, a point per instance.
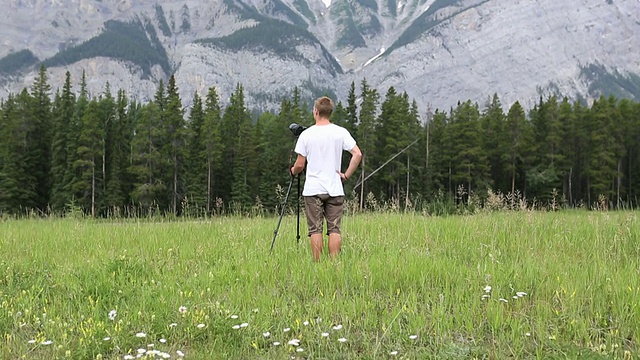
(324, 105)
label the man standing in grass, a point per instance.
(320, 147)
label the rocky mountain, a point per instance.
(438, 51)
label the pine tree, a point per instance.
(244, 152)
(233, 117)
(17, 191)
(438, 158)
(519, 140)
(544, 178)
(277, 156)
(351, 119)
(601, 166)
(107, 114)
(567, 148)
(39, 138)
(212, 147)
(493, 124)
(629, 131)
(72, 175)
(195, 164)
(366, 135)
(119, 140)
(63, 110)
(398, 128)
(89, 160)
(175, 147)
(470, 168)
(147, 161)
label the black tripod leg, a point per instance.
(298, 202)
(284, 205)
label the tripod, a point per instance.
(296, 130)
(284, 204)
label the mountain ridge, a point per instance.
(438, 51)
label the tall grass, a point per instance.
(495, 285)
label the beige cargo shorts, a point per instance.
(320, 207)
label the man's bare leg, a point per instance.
(316, 246)
(335, 241)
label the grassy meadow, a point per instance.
(540, 285)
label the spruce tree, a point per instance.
(119, 142)
(174, 149)
(88, 164)
(63, 112)
(492, 127)
(398, 129)
(147, 161)
(72, 175)
(232, 119)
(469, 163)
(212, 148)
(518, 135)
(38, 159)
(195, 164)
(366, 136)
(601, 166)
(17, 191)
(351, 118)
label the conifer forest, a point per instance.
(109, 156)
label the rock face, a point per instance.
(438, 51)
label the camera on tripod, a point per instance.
(297, 129)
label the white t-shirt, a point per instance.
(322, 146)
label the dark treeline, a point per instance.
(106, 156)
